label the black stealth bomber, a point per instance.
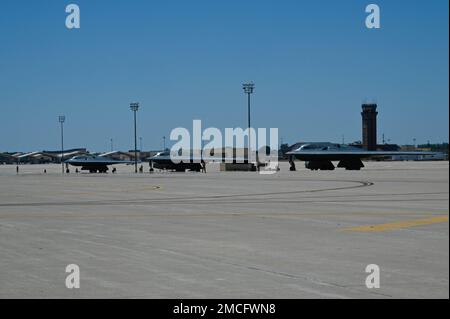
(320, 155)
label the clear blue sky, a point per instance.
(313, 63)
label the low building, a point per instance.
(119, 155)
(35, 158)
(56, 155)
(7, 159)
(46, 157)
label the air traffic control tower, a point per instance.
(369, 126)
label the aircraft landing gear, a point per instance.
(352, 164)
(292, 167)
(319, 165)
(101, 169)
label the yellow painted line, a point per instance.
(398, 225)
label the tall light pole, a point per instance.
(164, 143)
(134, 107)
(248, 89)
(112, 145)
(61, 120)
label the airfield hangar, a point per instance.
(369, 126)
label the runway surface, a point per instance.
(226, 234)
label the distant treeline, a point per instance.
(443, 147)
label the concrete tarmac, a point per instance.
(226, 234)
